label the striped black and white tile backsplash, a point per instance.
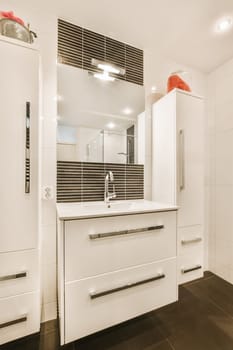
(77, 47)
(83, 181)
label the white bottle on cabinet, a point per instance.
(19, 134)
(178, 173)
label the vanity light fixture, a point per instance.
(104, 76)
(108, 67)
(224, 24)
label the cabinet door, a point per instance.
(19, 85)
(164, 150)
(190, 155)
(99, 302)
(150, 237)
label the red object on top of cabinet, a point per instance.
(174, 81)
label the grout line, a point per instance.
(169, 342)
(165, 339)
(196, 281)
(220, 308)
(210, 300)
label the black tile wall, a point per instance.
(84, 181)
(77, 47)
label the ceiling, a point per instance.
(182, 30)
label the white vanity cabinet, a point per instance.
(178, 173)
(114, 268)
(19, 133)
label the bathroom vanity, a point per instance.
(114, 263)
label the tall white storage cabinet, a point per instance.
(178, 173)
(19, 275)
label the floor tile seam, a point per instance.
(221, 309)
(165, 338)
(214, 304)
(170, 343)
(196, 281)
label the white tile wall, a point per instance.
(220, 116)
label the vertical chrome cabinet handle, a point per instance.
(27, 148)
(182, 160)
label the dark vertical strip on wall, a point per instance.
(83, 181)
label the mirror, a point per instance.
(99, 121)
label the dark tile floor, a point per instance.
(202, 319)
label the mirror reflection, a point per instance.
(99, 120)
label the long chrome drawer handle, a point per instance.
(197, 267)
(192, 240)
(94, 295)
(21, 319)
(125, 232)
(13, 277)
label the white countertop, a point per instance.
(75, 211)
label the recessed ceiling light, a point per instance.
(111, 125)
(104, 76)
(127, 111)
(224, 25)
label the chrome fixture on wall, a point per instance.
(107, 69)
(109, 195)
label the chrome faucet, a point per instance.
(109, 195)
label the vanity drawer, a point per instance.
(96, 303)
(18, 272)
(190, 240)
(19, 316)
(113, 243)
(190, 268)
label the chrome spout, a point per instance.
(109, 195)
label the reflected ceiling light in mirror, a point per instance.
(224, 24)
(111, 125)
(108, 67)
(127, 111)
(104, 76)
(154, 89)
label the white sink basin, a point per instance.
(116, 205)
(70, 211)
